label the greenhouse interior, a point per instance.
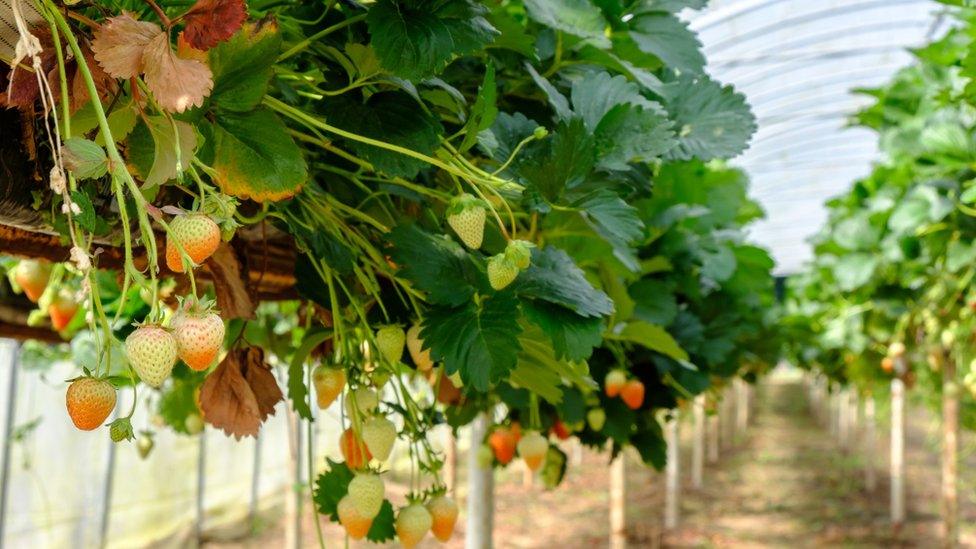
(472, 273)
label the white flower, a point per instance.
(80, 259)
(71, 206)
(58, 183)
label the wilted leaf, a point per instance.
(254, 157)
(240, 394)
(177, 84)
(120, 43)
(230, 286)
(209, 22)
(243, 65)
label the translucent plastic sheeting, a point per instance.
(797, 61)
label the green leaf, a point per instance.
(573, 337)
(390, 116)
(559, 162)
(435, 264)
(671, 6)
(87, 219)
(553, 277)
(255, 158)
(513, 35)
(855, 270)
(483, 112)
(297, 390)
(538, 370)
(121, 122)
(554, 468)
(330, 487)
(576, 17)
(670, 39)
(654, 300)
(718, 264)
(479, 341)
(632, 134)
(614, 220)
(500, 140)
(84, 158)
(243, 66)
(959, 255)
(415, 39)
(596, 94)
(653, 337)
(383, 528)
(556, 99)
(711, 121)
(152, 149)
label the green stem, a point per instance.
(319, 35)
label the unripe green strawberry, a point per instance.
(520, 253)
(198, 338)
(485, 456)
(329, 382)
(420, 356)
(365, 402)
(197, 233)
(390, 341)
(193, 424)
(532, 449)
(120, 429)
(501, 271)
(152, 352)
(466, 215)
(145, 444)
(412, 524)
(444, 513)
(379, 434)
(367, 492)
(596, 418)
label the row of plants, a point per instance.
(511, 208)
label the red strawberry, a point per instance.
(89, 402)
(614, 383)
(502, 442)
(633, 394)
(444, 513)
(412, 524)
(390, 341)
(367, 492)
(466, 215)
(197, 233)
(356, 524)
(560, 430)
(32, 276)
(420, 356)
(62, 309)
(152, 352)
(354, 450)
(328, 381)
(532, 449)
(199, 336)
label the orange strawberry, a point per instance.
(355, 522)
(197, 233)
(445, 513)
(354, 450)
(32, 276)
(502, 442)
(89, 402)
(328, 382)
(412, 524)
(62, 309)
(633, 394)
(560, 430)
(614, 382)
(199, 336)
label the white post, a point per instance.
(854, 414)
(713, 428)
(870, 444)
(671, 503)
(481, 487)
(728, 415)
(698, 444)
(741, 406)
(897, 451)
(950, 454)
(844, 418)
(618, 502)
(450, 463)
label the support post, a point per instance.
(201, 487)
(897, 451)
(844, 419)
(450, 463)
(107, 490)
(698, 443)
(672, 485)
(481, 487)
(713, 428)
(741, 406)
(870, 444)
(13, 367)
(252, 511)
(618, 502)
(950, 455)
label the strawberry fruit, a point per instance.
(152, 352)
(633, 394)
(62, 309)
(366, 491)
(502, 271)
(197, 233)
(329, 382)
(390, 341)
(444, 513)
(361, 402)
(614, 383)
(32, 276)
(199, 336)
(89, 402)
(502, 442)
(379, 434)
(420, 356)
(412, 524)
(354, 450)
(532, 449)
(596, 418)
(356, 524)
(466, 215)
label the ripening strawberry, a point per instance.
(62, 309)
(32, 276)
(614, 383)
(152, 352)
(197, 233)
(89, 402)
(390, 341)
(596, 418)
(144, 445)
(379, 434)
(354, 450)
(444, 513)
(633, 394)
(329, 382)
(420, 356)
(367, 492)
(365, 400)
(560, 429)
(501, 271)
(532, 449)
(198, 338)
(466, 215)
(356, 524)
(412, 524)
(502, 442)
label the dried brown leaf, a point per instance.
(240, 393)
(210, 22)
(120, 43)
(233, 299)
(262, 382)
(177, 84)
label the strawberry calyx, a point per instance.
(463, 203)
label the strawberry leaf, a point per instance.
(242, 67)
(483, 112)
(120, 43)
(152, 149)
(435, 264)
(573, 337)
(670, 39)
(480, 342)
(84, 158)
(553, 277)
(176, 83)
(561, 160)
(210, 22)
(330, 487)
(712, 121)
(297, 390)
(382, 528)
(577, 17)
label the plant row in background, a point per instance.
(512, 208)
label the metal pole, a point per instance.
(107, 489)
(481, 486)
(201, 485)
(672, 485)
(870, 444)
(255, 483)
(897, 451)
(618, 502)
(698, 444)
(14, 365)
